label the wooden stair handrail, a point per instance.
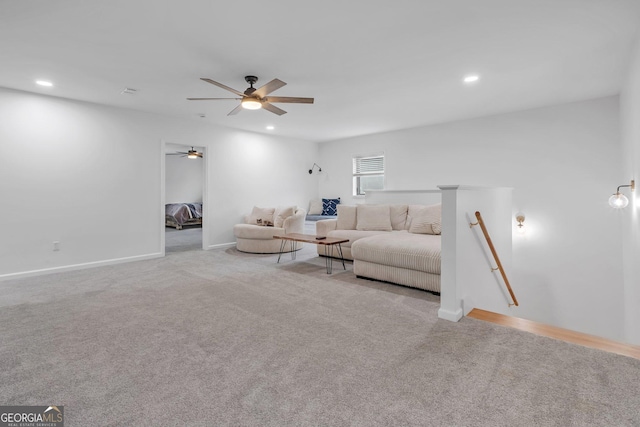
(495, 256)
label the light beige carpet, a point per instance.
(222, 338)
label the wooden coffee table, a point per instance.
(328, 242)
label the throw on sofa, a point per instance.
(393, 243)
(255, 235)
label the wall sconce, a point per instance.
(520, 219)
(314, 165)
(619, 200)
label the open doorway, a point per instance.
(184, 172)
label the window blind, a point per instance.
(363, 166)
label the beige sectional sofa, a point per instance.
(255, 235)
(394, 243)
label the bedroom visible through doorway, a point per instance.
(184, 189)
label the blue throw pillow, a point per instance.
(330, 206)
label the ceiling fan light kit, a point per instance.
(251, 104)
(255, 99)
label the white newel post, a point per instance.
(450, 303)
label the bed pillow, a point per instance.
(346, 218)
(426, 220)
(315, 207)
(330, 206)
(261, 216)
(373, 218)
(281, 214)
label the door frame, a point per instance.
(205, 193)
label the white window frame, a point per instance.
(358, 172)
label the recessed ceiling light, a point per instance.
(471, 78)
(44, 83)
(270, 127)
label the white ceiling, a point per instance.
(371, 65)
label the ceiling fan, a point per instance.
(254, 99)
(191, 154)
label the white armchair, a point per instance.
(259, 239)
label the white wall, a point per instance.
(183, 178)
(630, 162)
(561, 162)
(468, 280)
(89, 176)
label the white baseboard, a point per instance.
(452, 316)
(73, 267)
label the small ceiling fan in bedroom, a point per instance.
(254, 99)
(191, 154)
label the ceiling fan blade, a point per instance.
(269, 87)
(213, 82)
(235, 110)
(289, 99)
(177, 153)
(209, 99)
(273, 109)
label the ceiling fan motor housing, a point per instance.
(251, 79)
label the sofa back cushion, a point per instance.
(425, 219)
(282, 213)
(398, 216)
(264, 215)
(373, 218)
(346, 218)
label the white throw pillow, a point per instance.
(398, 216)
(373, 218)
(426, 220)
(346, 217)
(281, 214)
(315, 207)
(261, 216)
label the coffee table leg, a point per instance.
(341, 256)
(327, 258)
(293, 249)
(282, 243)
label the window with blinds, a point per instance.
(368, 174)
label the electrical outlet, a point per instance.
(56, 246)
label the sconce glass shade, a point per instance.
(618, 201)
(251, 104)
